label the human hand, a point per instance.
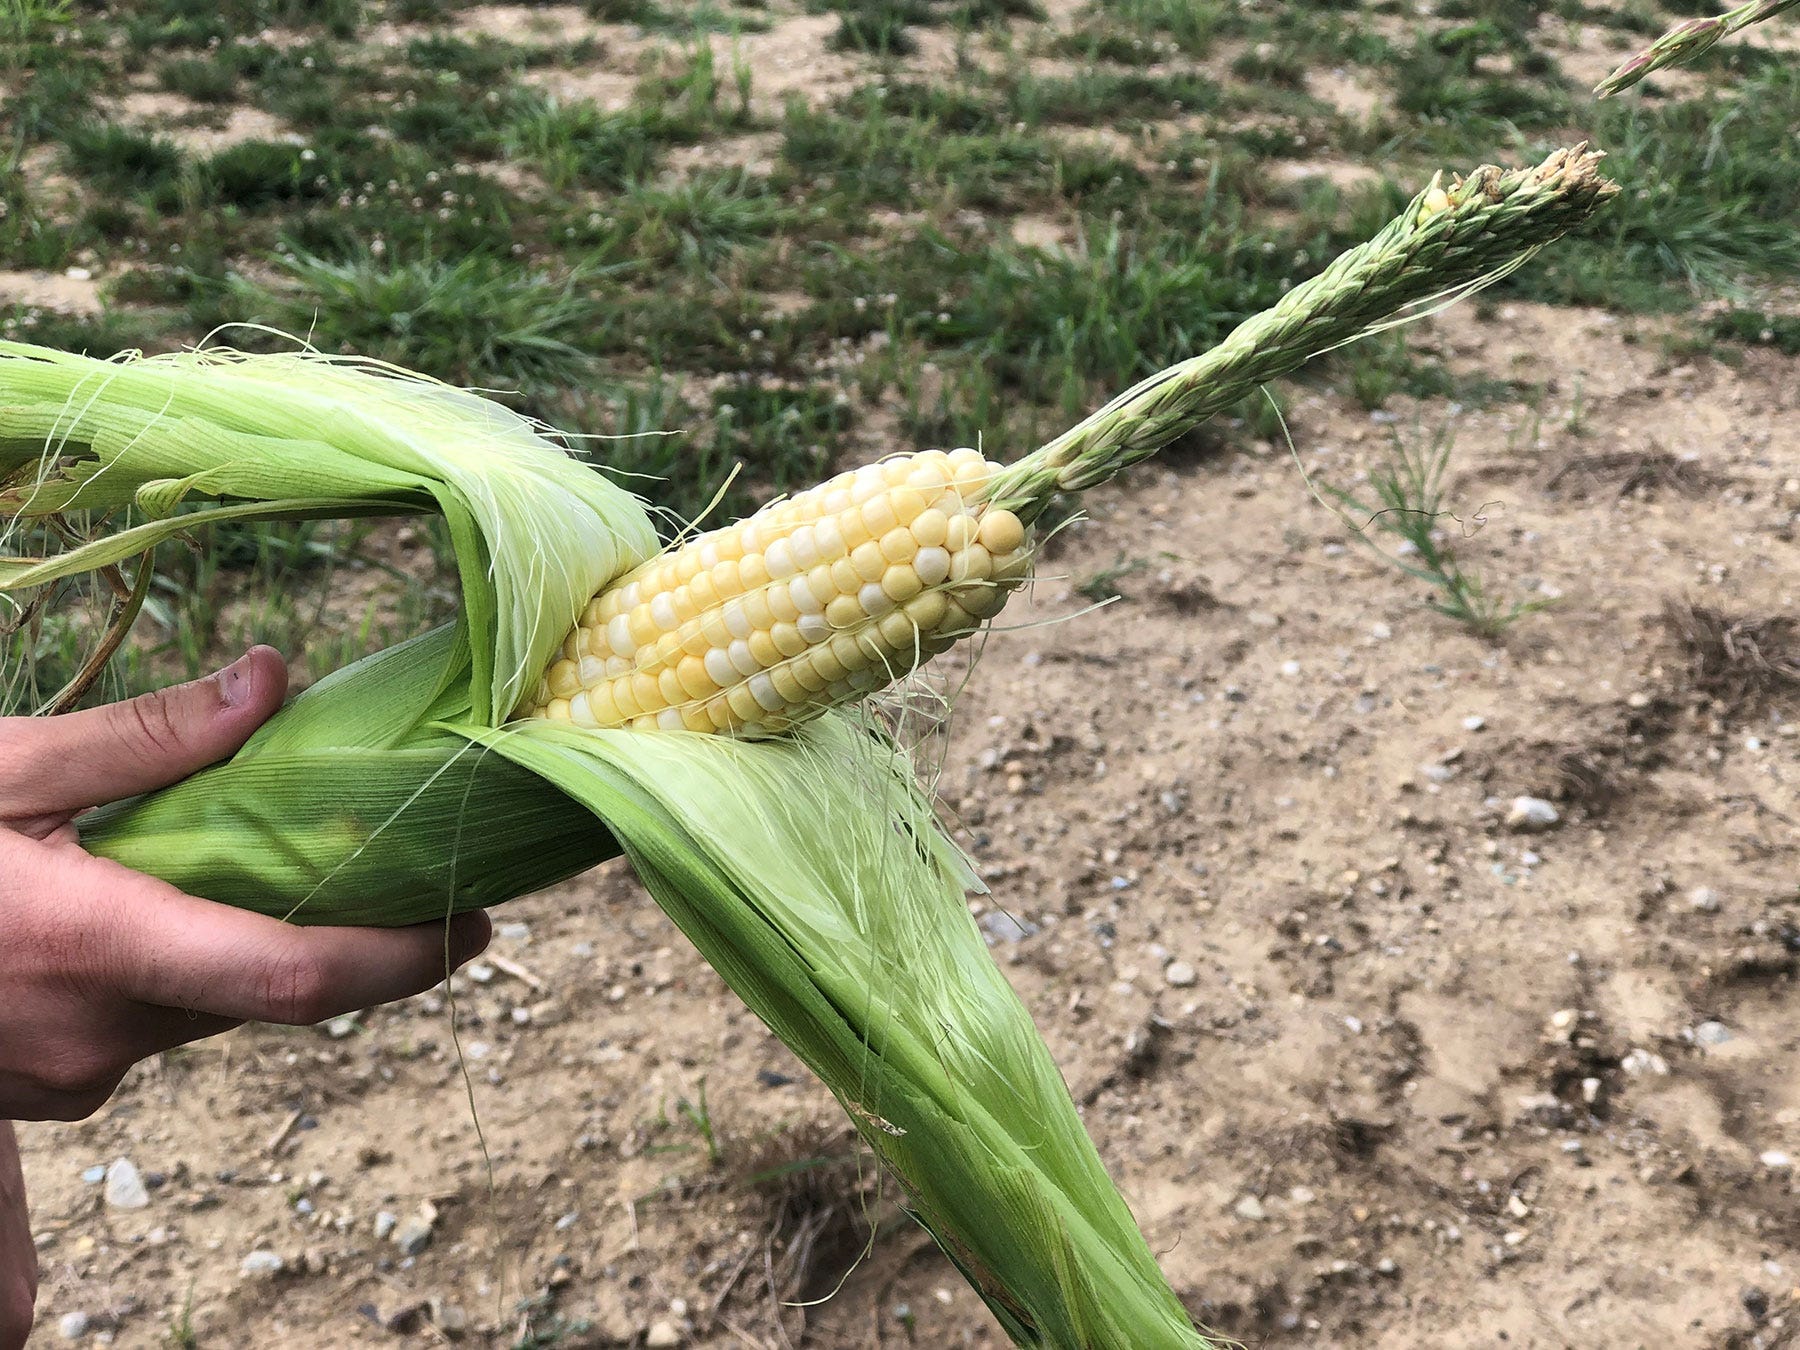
(103, 966)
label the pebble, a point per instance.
(999, 926)
(1775, 1160)
(1531, 813)
(1638, 1062)
(262, 1263)
(94, 1175)
(448, 1317)
(663, 1333)
(413, 1234)
(124, 1187)
(72, 1326)
(514, 932)
(384, 1225)
(1475, 722)
(343, 1025)
(1180, 974)
(1705, 899)
(1250, 1208)
(1712, 1033)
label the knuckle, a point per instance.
(298, 990)
(158, 729)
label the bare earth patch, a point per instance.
(55, 291)
(174, 118)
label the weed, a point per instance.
(24, 20)
(477, 321)
(1715, 188)
(1780, 331)
(1191, 25)
(182, 1335)
(50, 101)
(1104, 584)
(203, 79)
(575, 144)
(120, 159)
(1103, 96)
(697, 220)
(1409, 505)
(698, 1115)
(879, 27)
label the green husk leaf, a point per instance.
(536, 531)
(811, 873)
(351, 807)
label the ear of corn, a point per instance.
(807, 605)
(807, 867)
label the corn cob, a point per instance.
(812, 602)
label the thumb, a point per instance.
(52, 765)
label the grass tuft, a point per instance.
(478, 321)
(1407, 504)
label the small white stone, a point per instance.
(663, 1333)
(384, 1224)
(1180, 974)
(1639, 1062)
(262, 1263)
(72, 1326)
(1250, 1208)
(1705, 899)
(124, 1187)
(1776, 1161)
(1531, 813)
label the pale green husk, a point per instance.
(294, 435)
(864, 959)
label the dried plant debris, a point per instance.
(1631, 473)
(1743, 662)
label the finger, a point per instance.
(52, 765)
(179, 952)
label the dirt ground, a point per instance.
(1372, 1066)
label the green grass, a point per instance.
(116, 158)
(473, 322)
(1405, 502)
(1713, 190)
(203, 79)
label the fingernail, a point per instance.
(235, 682)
